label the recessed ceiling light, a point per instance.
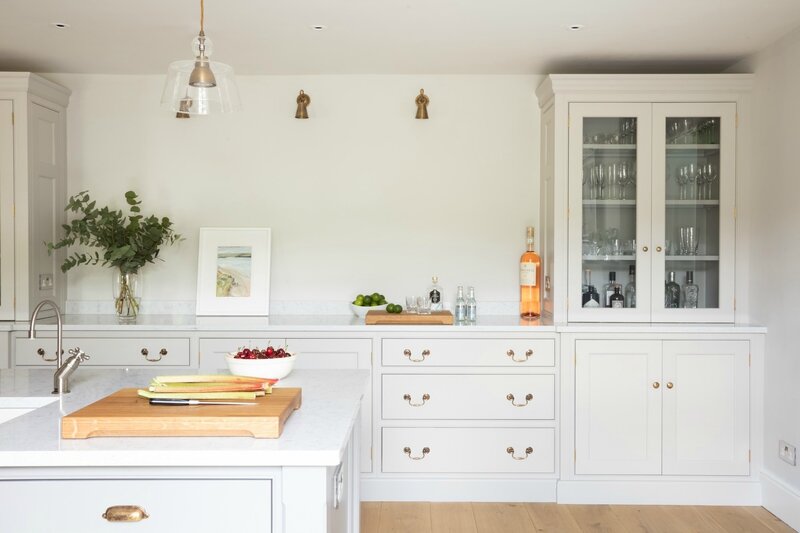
(319, 27)
(575, 27)
(60, 25)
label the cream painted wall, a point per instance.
(775, 248)
(360, 197)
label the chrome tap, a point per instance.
(61, 377)
(59, 331)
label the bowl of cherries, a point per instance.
(275, 363)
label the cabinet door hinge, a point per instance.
(749, 456)
(574, 455)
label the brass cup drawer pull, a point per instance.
(425, 398)
(511, 354)
(146, 353)
(510, 451)
(41, 353)
(425, 353)
(425, 452)
(125, 513)
(528, 398)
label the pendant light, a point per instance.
(200, 86)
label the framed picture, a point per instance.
(233, 272)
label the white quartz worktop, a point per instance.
(314, 435)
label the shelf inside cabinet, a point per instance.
(609, 203)
(692, 203)
(692, 258)
(609, 258)
(611, 147)
(672, 147)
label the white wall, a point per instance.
(775, 248)
(361, 197)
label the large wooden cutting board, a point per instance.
(125, 414)
(380, 317)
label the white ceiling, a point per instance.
(393, 36)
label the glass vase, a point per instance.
(127, 295)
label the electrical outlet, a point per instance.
(45, 282)
(787, 453)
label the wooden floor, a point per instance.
(394, 517)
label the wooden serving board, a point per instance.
(380, 317)
(125, 414)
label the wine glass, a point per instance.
(600, 174)
(681, 178)
(712, 175)
(691, 176)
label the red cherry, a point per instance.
(270, 350)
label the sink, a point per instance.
(12, 407)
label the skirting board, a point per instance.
(780, 500)
(458, 490)
(660, 492)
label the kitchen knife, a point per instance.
(166, 401)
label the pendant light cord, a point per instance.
(202, 17)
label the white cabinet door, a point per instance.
(618, 407)
(6, 211)
(706, 407)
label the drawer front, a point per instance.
(468, 352)
(468, 450)
(468, 397)
(107, 351)
(196, 505)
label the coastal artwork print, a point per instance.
(234, 266)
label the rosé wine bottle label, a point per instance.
(527, 274)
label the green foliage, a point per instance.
(126, 242)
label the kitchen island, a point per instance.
(304, 482)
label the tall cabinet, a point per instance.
(33, 190)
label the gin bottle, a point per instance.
(609, 287)
(435, 293)
(472, 305)
(461, 305)
(630, 288)
(591, 298)
(691, 292)
(672, 293)
(617, 300)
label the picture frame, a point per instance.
(233, 271)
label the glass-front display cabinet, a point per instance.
(651, 196)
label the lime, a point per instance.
(375, 296)
(398, 308)
(390, 308)
(367, 300)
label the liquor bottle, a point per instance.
(461, 305)
(691, 292)
(591, 298)
(435, 293)
(472, 305)
(616, 300)
(608, 289)
(672, 293)
(630, 288)
(530, 281)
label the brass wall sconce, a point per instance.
(303, 101)
(422, 102)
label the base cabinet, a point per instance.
(662, 407)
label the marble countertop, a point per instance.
(314, 435)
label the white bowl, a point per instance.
(277, 368)
(361, 311)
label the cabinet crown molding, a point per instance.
(35, 85)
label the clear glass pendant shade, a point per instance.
(203, 98)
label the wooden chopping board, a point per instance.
(380, 317)
(125, 414)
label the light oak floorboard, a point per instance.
(596, 518)
(769, 519)
(550, 517)
(452, 518)
(370, 517)
(647, 519)
(689, 519)
(397, 517)
(502, 518)
(734, 519)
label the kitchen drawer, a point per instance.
(468, 352)
(468, 397)
(468, 450)
(168, 351)
(213, 351)
(197, 505)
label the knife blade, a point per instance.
(170, 401)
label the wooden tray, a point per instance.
(379, 317)
(125, 414)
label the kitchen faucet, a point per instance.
(63, 370)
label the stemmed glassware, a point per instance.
(710, 175)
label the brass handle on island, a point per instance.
(425, 353)
(528, 398)
(511, 354)
(425, 451)
(125, 513)
(146, 353)
(425, 398)
(510, 451)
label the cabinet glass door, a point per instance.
(693, 211)
(609, 226)
(6, 211)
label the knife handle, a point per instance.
(169, 401)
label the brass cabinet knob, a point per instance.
(510, 451)
(670, 385)
(125, 513)
(656, 384)
(424, 353)
(425, 398)
(425, 452)
(512, 354)
(163, 352)
(528, 398)
(658, 248)
(645, 248)
(146, 353)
